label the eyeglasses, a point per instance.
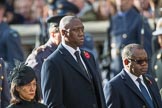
(140, 62)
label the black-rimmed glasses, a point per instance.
(140, 62)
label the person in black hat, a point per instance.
(62, 7)
(38, 55)
(24, 88)
(66, 7)
(52, 7)
(157, 56)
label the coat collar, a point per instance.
(130, 84)
(71, 61)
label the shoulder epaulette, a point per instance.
(39, 49)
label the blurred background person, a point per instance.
(11, 17)
(24, 8)
(145, 7)
(157, 56)
(39, 54)
(127, 26)
(106, 9)
(38, 9)
(86, 9)
(10, 42)
(54, 8)
(24, 88)
(4, 86)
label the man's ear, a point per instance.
(63, 32)
(52, 34)
(126, 61)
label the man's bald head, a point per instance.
(66, 22)
(72, 31)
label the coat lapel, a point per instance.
(152, 90)
(128, 81)
(96, 78)
(71, 61)
(88, 64)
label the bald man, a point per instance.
(70, 80)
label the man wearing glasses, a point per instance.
(133, 87)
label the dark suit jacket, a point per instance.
(121, 92)
(4, 87)
(64, 85)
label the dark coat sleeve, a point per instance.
(13, 47)
(111, 96)
(51, 75)
(5, 95)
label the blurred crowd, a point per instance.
(30, 11)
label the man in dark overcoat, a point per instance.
(70, 77)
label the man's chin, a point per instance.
(144, 72)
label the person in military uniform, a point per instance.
(55, 7)
(10, 43)
(66, 7)
(4, 86)
(39, 54)
(126, 27)
(157, 56)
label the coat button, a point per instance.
(2, 77)
(124, 36)
(113, 45)
(156, 79)
(158, 56)
(0, 88)
(156, 67)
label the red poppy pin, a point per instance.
(149, 81)
(86, 54)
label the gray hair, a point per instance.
(128, 50)
(66, 21)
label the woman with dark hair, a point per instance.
(24, 88)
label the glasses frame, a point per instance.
(140, 62)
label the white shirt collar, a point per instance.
(71, 50)
(133, 77)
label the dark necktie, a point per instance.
(80, 63)
(145, 93)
